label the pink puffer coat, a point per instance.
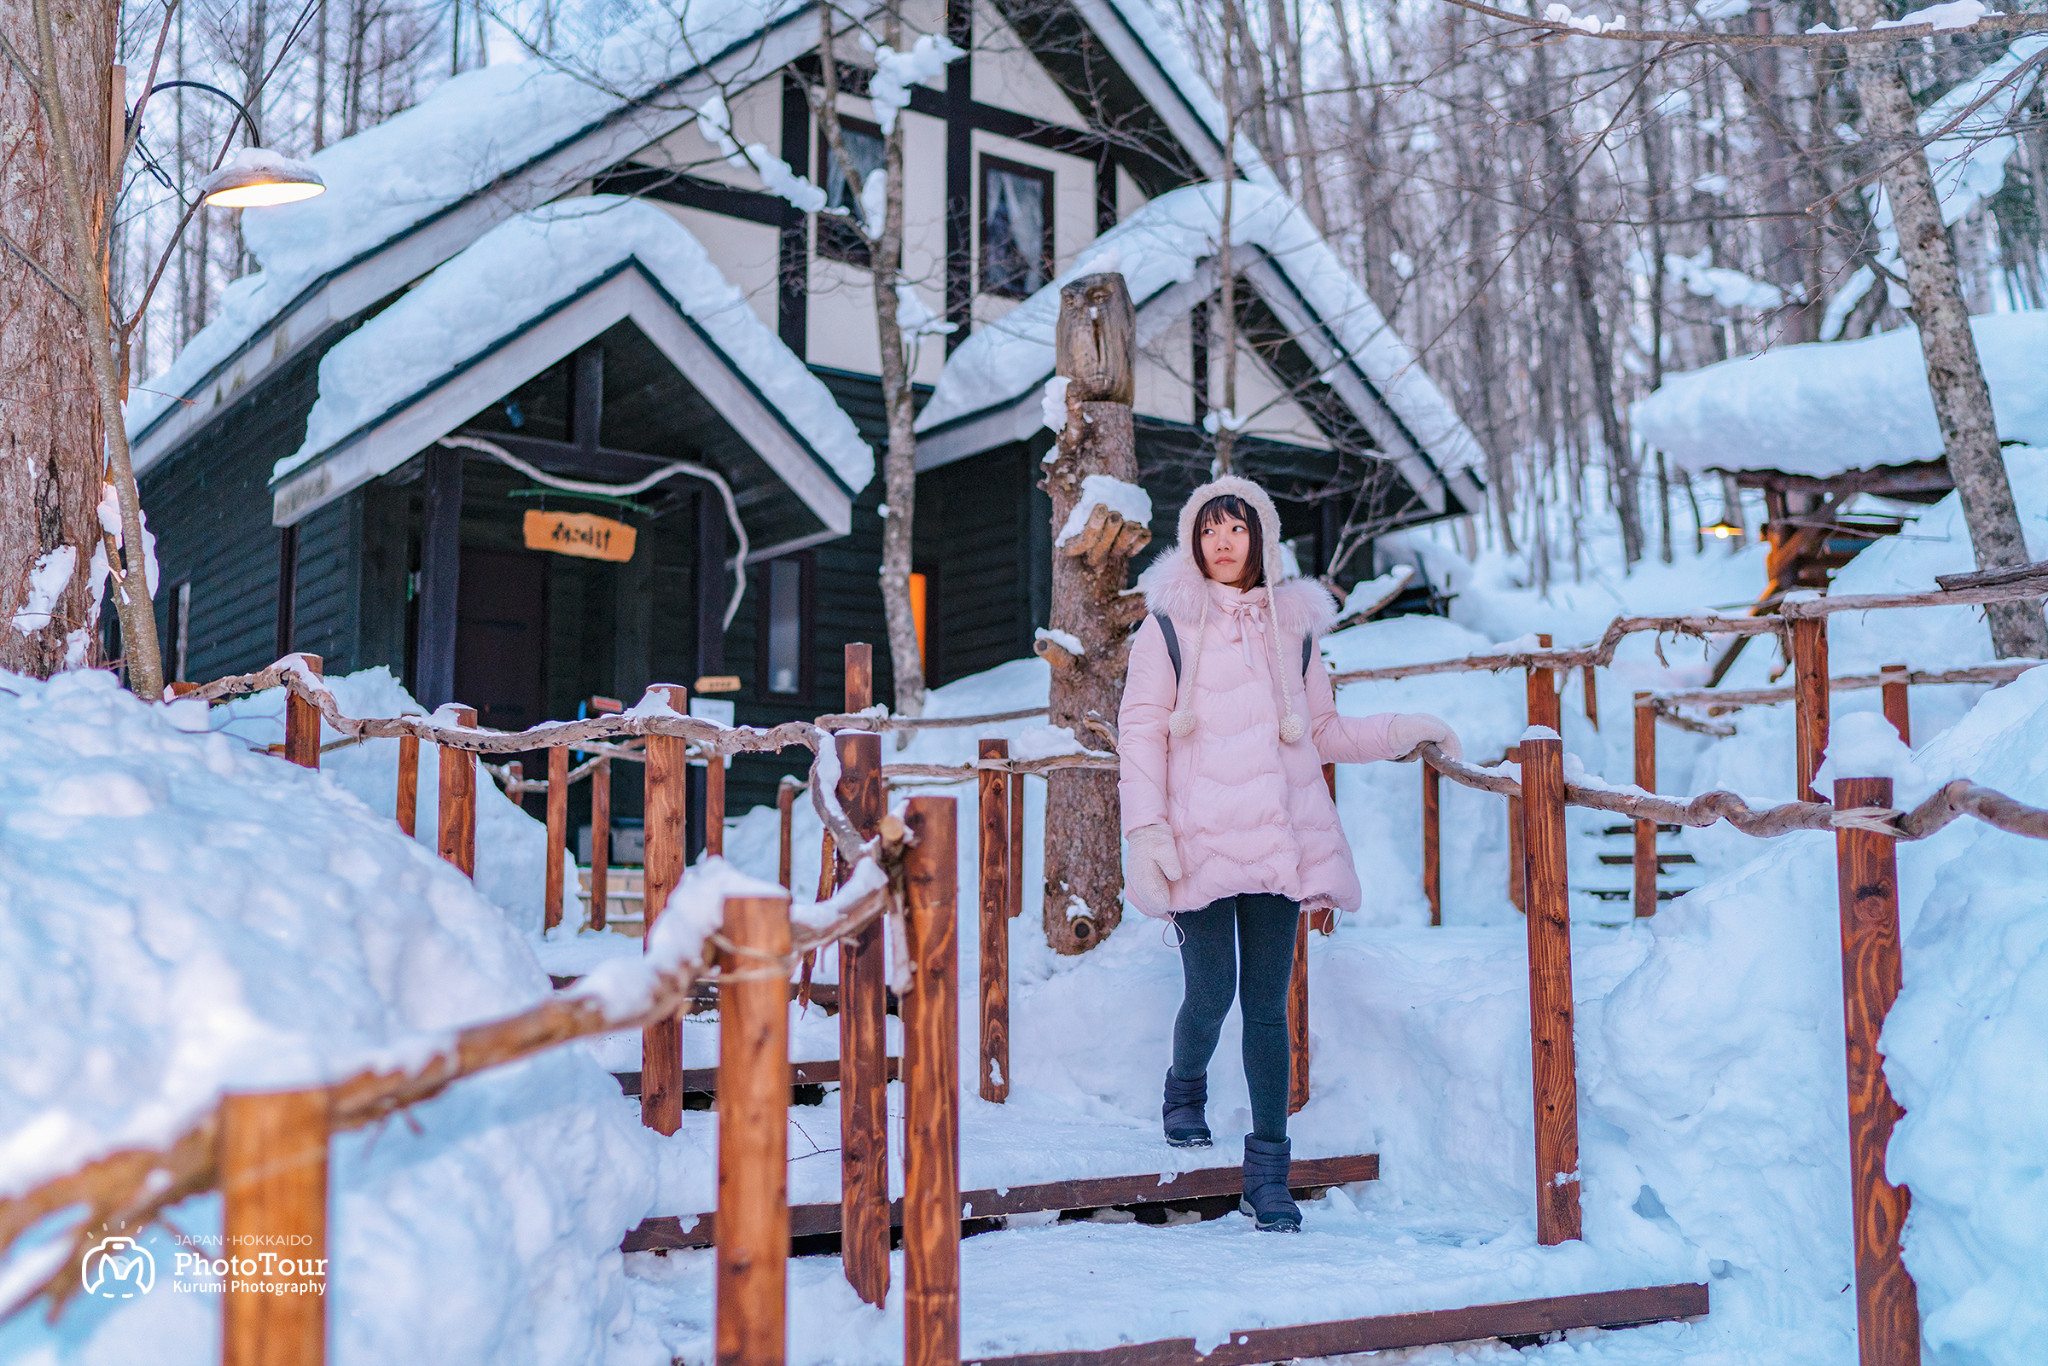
(1249, 810)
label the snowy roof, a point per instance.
(1823, 408)
(1164, 245)
(465, 315)
(502, 138)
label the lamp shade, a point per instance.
(255, 177)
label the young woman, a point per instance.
(1227, 719)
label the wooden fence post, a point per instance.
(457, 814)
(409, 783)
(273, 1182)
(1552, 1053)
(667, 811)
(1646, 830)
(1866, 870)
(302, 722)
(1432, 842)
(752, 1231)
(1593, 696)
(1518, 860)
(863, 1006)
(1809, 700)
(601, 843)
(558, 834)
(1544, 709)
(931, 1091)
(714, 806)
(785, 816)
(1898, 707)
(1297, 1020)
(994, 882)
(1016, 898)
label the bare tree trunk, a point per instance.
(1962, 398)
(1097, 356)
(51, 415)
(1287, 36)
(899, 461)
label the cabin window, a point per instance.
(784, 662)
(838, 239)
(1016, 228)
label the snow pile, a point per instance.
(1163, 245)
(182, 916)
(1128, 501)
(532, 263)
(511, 846)
(1824, 407)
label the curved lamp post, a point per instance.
(254, 177)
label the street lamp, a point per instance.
(254, 177)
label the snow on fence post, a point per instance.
(1432, 842)
(931, 1090)
(1518, 861)
(994, 833)
(666, 820)
(558, 833)
(302, 722)
(1898, 706)
(1646, 830)
(409, 783)
(863, 1009)
(1866, 870)
(1809, 700)
(273, 1183)
(457, 805)
(1552, 1054)
(752, 1231)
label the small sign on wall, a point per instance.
(580, 533)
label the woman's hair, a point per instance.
(1229, 507)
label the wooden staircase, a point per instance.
(1616, 846)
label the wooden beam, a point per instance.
(440, 578)
(1016, 898)
(273, 1165)
(1432, 843)
(667, 818)
(558, 835)
(931, 1088)
(753, 1141)
(1866, 870)
(302, 723)
(993, 831)
(601, 845)
(1552, 1053)
(1592, 680)
(1307, 1176)
(785, 817)
(1646, 830)
(714, 806)
(1519, 1318)
(863, 1094)
(408, 783)
(456, 815)
(1297, 1020)
(1518, 858)
(1542, 694)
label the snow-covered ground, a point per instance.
(182, 915)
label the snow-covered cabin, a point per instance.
(607, 269)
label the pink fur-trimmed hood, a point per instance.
(1174, 584)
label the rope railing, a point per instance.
(1731, 698)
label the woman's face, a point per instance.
(1226, 542)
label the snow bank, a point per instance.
(529, 265)
(1162, 245)
(182, 916)
(1824, 407)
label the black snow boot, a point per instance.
(1186, 1127)
(1265, 1186)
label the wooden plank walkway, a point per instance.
(1309, 1175)
(1519, 1319)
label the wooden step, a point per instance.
(1154, 1191)
(824, 995)
(1630, 829)
(1520, 1323)
(1663, 860)
(703, 1081)
(1624, 893)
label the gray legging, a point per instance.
(1248, 937)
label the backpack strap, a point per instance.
(1172, 641)
(1308, 646)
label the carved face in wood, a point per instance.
(1095, 339)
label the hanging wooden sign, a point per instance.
(580, 533)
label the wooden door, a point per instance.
(501, 637)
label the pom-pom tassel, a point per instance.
(1181, 723)
(1292, 728)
